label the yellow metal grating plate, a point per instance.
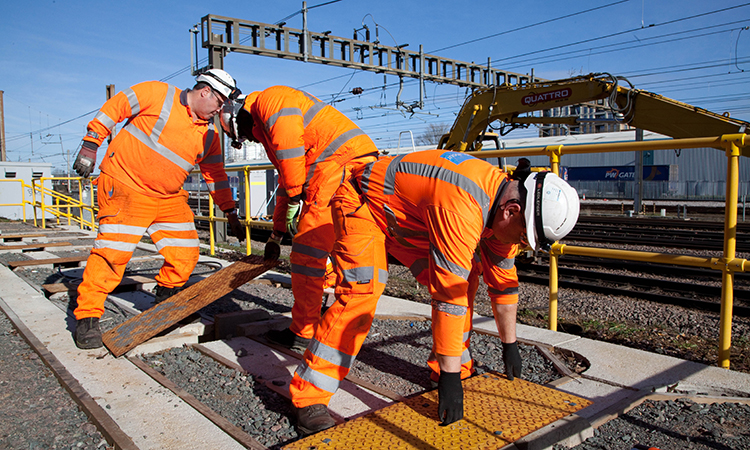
(497, 412)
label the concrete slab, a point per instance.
(278, 368)
(604, 396)
(151, 415)
(645, 371)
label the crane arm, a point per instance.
(637, 108)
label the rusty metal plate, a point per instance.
(497, 412)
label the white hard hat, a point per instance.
(228, 119)
(220, 81)
(551, 209)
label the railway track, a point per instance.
(685, 294)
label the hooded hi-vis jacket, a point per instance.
(299, 133)
(439, 206)
(160, 143)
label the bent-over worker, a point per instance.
(432, 210)
(314, 148)
(168, 131)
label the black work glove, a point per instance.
(86, 159)
(512, 360)
(450, 398)
(272, 250)
(235, 227)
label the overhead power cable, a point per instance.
(620, 33)
(587, 51)
(529, 26)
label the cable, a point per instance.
(527, 26)
(619, 33)
(543, 60)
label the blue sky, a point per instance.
(56, 57)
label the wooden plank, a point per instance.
(41, 262)
(18, 237)
(152, 321)
(37, 245)
(127, 282)
(231, 429)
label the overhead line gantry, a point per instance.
(221, 35)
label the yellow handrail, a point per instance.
(733, 145)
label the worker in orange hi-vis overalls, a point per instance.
(434, 211)
(167, 132)
(313, 147)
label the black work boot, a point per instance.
(314, 418)
(287, 338)
(163, 293)
(87, 334)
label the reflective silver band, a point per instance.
(313, 111)
(281, 113)
(449, 308)
(213, 159)
(389, 181)
(330, 354)
(440, 173)
(213, 187)
(115, 245)
(332, 148)
(364, 181)
(382, 276)
(441, 261)
(309, 251)
(314, 272)
(166, 109)
(317, 379)
(121, 229)
(135, 106)
(176, 242)
(105, 120)
(508, 291)
(290, 153)
(171, 226)
(359, 274)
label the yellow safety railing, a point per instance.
(64, 205)
(23, 202)
(248, 223)
(733, 145)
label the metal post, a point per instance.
(421, 77)
(246, 202)
(216, 61)
(554, 160)
(638, 187)
(2, 130)
(304, 31)
(730, 245)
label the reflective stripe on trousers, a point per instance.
(361, 272)
(414, 259)
(313, 243)
(124, 216)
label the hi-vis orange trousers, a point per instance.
(313, 243)
(124, 216)
(361, 267)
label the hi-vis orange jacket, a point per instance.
(438, 206)
(160, 143)
(299, 133)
